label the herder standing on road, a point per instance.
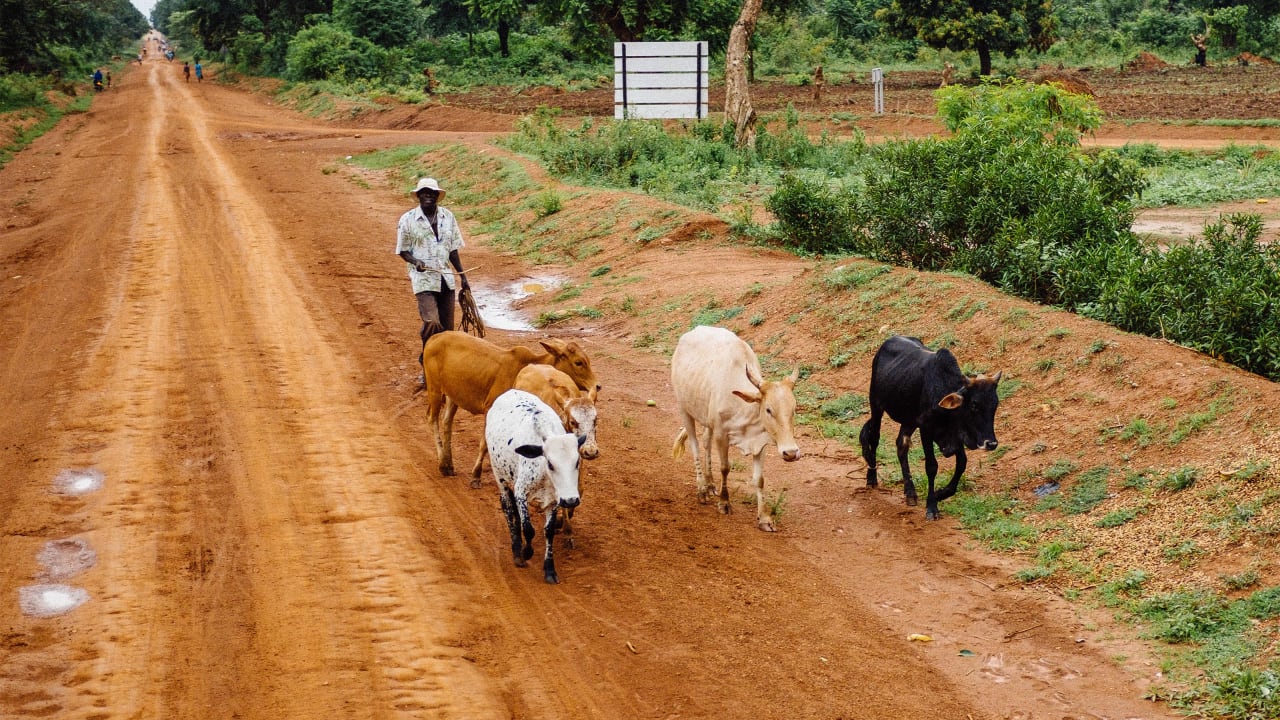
(186, 70)
(428, 238)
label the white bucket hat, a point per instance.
(428, 184)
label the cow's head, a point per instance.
(580, 416)
(559, 453)
(777, 411)
(569, 358)
(969, 416)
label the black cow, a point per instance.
(920, 388)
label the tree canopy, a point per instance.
(981, 25)
(43, 36)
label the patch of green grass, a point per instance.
(713, 314)
(1058, 470)
(1139, 431)
(1240, 581)
(1089, 490)
(1195, 422)
(1116, 518)
(1180, 479)
(965, 309)
(553, 317)
(1007, 387)
(548, 202)
(1044, 365)
(994, 520)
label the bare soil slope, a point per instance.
(197, 311)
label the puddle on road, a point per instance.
(497, 306)
(62, 559)
(50, 600)
(78, 482)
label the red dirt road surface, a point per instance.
(200, 317)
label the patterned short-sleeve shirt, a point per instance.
(414, 234)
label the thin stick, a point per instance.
(970, 577)
(1009, 636)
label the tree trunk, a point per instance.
(984, 58)
(504, 34)
(737, 92)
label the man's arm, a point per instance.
(417, 264)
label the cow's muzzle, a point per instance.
(989, 444)
(569, 503)
(790, 454)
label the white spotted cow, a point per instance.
(534, 461)
(577, 411)
(719, 387)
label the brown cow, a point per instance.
(463, 371)
(576, 408)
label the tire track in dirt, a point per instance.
(207, 347)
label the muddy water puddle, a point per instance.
(499, 306)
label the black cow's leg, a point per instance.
(548, 559)
(904, 447)
(949, 490)
(930, 469)
(527, 551)
(869, 436)
(513, 523)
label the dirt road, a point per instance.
(201, 318)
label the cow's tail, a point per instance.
(677, 450)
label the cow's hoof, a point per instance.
(704, 496)
(766, 525)
(520, 563)
(476, 483)
(912, 501)
(726, 508)
(528, 553)
(446, 471)
(552, 579)
(932, 515)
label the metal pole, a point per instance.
(877, 80)
(626, 109)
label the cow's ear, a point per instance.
(951, 402)
(553, 346)
(529, 451)
(795, 375)
(749, 398)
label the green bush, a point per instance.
(18, 91)
(814, 216)
(1220, 296)
(326, 51)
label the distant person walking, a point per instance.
(186, 70)
(428, 238)
(199, 71)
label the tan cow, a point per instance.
(576, 408)
(719, 388)
(463, 371)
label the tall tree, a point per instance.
(387, 23)
(737, 91)
(982, 25)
